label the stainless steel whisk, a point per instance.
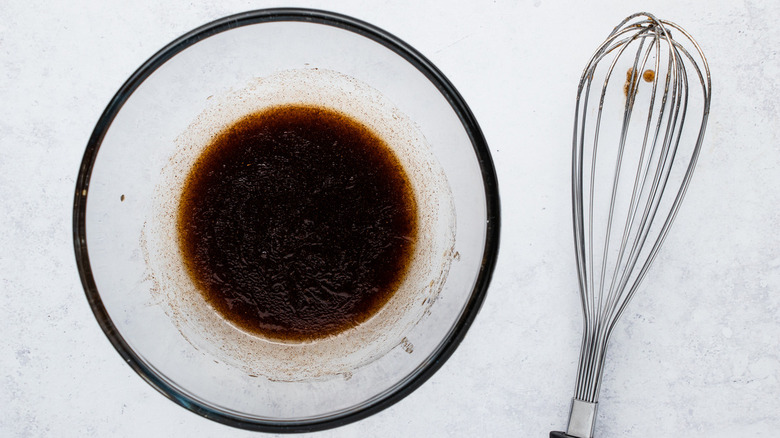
(638, 130)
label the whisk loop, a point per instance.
(634, 151)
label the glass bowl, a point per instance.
(131, 177)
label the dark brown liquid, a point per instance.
(297, 222)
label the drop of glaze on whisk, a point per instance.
(648, 76)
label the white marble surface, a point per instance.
(698, 351)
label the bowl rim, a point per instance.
(445, 348)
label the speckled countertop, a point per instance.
(697, 353)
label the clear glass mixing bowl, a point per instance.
(145, 140)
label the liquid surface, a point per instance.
(297, 222)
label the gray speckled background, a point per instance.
(698, 351)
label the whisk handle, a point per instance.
(559, 435)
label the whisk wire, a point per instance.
(679, 97)
(644, 159)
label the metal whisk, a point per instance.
(638, 130)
